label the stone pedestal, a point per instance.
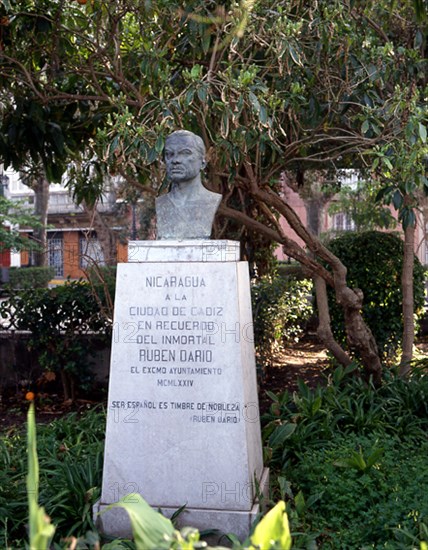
(183, 420)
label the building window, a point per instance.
(343, 222)
(56, 254)
(90, 251)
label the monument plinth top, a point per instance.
(184, 251)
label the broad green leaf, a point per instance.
(280, 434)
(374, 457)
(357, 461)
(188, 98)
(300, 503)
(151, 530)
(57, 137)
(285, 487)
(365, 127)
(40, 528)
(263, 114)
(387, 162)
(408, 218)
(202, 93)
(196, 71)
(316, 405)
(272, 396)
(273, 530)
(382, 192)
(397, 199)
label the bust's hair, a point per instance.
(197, 140)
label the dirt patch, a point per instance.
(306, 360)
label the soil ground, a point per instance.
(306, 359)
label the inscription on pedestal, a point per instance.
(178, 384)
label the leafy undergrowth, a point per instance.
(70, 454)
(352, 461)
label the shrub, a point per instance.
(54, 317)
(350, 455)
(70, 453)
(30, 277)
(280, 308)
(103, 282)
(374, 262)
(373, 481)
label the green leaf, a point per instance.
(57, 137)
(263, 114)
(285, 487)
(387, 162)
(374, 457)
(159, 144)
(202, 93)
(382, 192)
(408, 218)
(316, 405)
(397, 199)
(300, 503)
(295, 56)
(273, 530)
(188, 98)
(254, 101)
(40, 528)
(365, 126)
(196, 71)
(272, 396)
(423, 132)
(150, 529)
(280, 434)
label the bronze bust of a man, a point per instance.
(188, 210)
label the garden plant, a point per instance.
(349, 460)
(374, 263)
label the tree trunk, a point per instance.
(359, 335)
(313, 215)
(408, 300)
(314, 208)
(324, 331)
(106, 235)
(40, 186)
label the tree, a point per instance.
(360, 205)
(14, 214)
(273, 87)
(34, 177)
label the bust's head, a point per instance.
(184, 156)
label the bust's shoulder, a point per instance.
(212, 195)
(162, 199)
